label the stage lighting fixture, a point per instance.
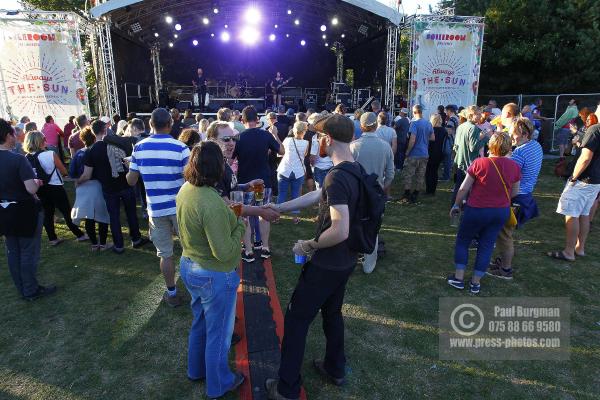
(323, 28)
(324, 36)
(177, 27)
(287, 35)
(326, 44)
(216, 10)
(175, 36)
(170, 44)
(272, 37)
(303, 42)
(249, 35)
(169, 19)
(195, 42)
(212, 35)
(276, 26)
(226, 26)
(205, 21)
(155, 34)
(334, 21)
(252, 16)
(343, 35)
(296, 22)
(225, 36)
(289, 12)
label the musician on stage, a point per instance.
(277, 85)
(199, 82)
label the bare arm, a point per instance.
(411, 144)
(394, 145)
(86, 176)
(515, 189)
(59, 165)
(31, 186)
(132, 177)
(309, 199)
(464, 189)
(582, 163)
(337, 232)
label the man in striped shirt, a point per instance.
(160, 161)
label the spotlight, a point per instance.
(323, 28)
(212, 35)
(155, 34)
(252, 16)
(324, 36)
(303, 42)
(287, 35)
(249, 35)
(195, 42)
(169, 19)
(215, 10)
(326, 44)
(170, 44)
(296, 22)
(175, 36)
(177, 27)
(225, 36)
(205, 21)
(289, 12)
(334, 21)
(226, 26)
(276, 26)
(343, 35)
(272, 37)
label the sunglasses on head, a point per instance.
(228, 139)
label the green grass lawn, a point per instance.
(106, 334)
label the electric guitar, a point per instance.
(276, 88)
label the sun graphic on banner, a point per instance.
(444, 78)
(38, 87)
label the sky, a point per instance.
(10, 4)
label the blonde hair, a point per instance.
(500, 144)
(300, 127)
(436, 120)
(523, 127)
(34, 142)
(203, 125)
(471, 114)
(213, 129)
(513, 109)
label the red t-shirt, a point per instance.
(487, 190)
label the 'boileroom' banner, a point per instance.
(42, 70)
(445, 65)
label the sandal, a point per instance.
(559, 255)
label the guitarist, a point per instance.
(277, 85)
(199, 82)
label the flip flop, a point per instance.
(559, 255)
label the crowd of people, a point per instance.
(219, 184)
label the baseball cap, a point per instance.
(339, 127)
(368, 119)
(105, 119)
(317, 121)
(404, 110)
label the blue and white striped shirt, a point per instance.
(529, 158)
(160, 160)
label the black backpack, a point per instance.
(365, 225)
(39, 170)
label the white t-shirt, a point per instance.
(293, 161)
(47, 161)
(386, 134)
(323, 163)
(265, 122)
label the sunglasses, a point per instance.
(228, 139)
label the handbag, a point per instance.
(512, 219)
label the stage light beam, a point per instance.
(324, 36)
(155, 34)
(225, 36)
(205, 21)
(249, 35)
(303, 42)
(343, 35)
(195, 42)
(177, 27)
(215, 10)
(175, 36)
(252, 16)
(170, 44)
(289, 12)
(334, 21)
(169, 19)
(323, 28)
(296, 22)
(272, 37)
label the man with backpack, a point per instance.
(348, 203)
(376, 157)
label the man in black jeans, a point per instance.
(322, 283)
(115, 189)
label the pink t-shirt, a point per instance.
(51, 131)
(487, 190)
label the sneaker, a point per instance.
(456, 283)
(265, 254)
(248, 257)
(272, 392)
(41, 292)
(172, 301)
(502, 273)
(475, 288)
(257, 246)
(107, 246)
(83, 238)
(320, 367)
(142, 242)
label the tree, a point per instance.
(542, 46)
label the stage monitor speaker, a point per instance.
(344, 98)
(184, 105)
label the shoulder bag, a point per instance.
(512, 219)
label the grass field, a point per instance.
(106, 334)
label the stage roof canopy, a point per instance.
(315, 22)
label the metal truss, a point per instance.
(104, 65)
(390, 67)
(155, 55)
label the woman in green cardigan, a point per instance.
(210, 235)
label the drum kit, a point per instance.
(240, 89)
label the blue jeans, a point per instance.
(113, 204)
(292, 183)
(319, 175)
(214, 297)
(23, 257)
(485, 225)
